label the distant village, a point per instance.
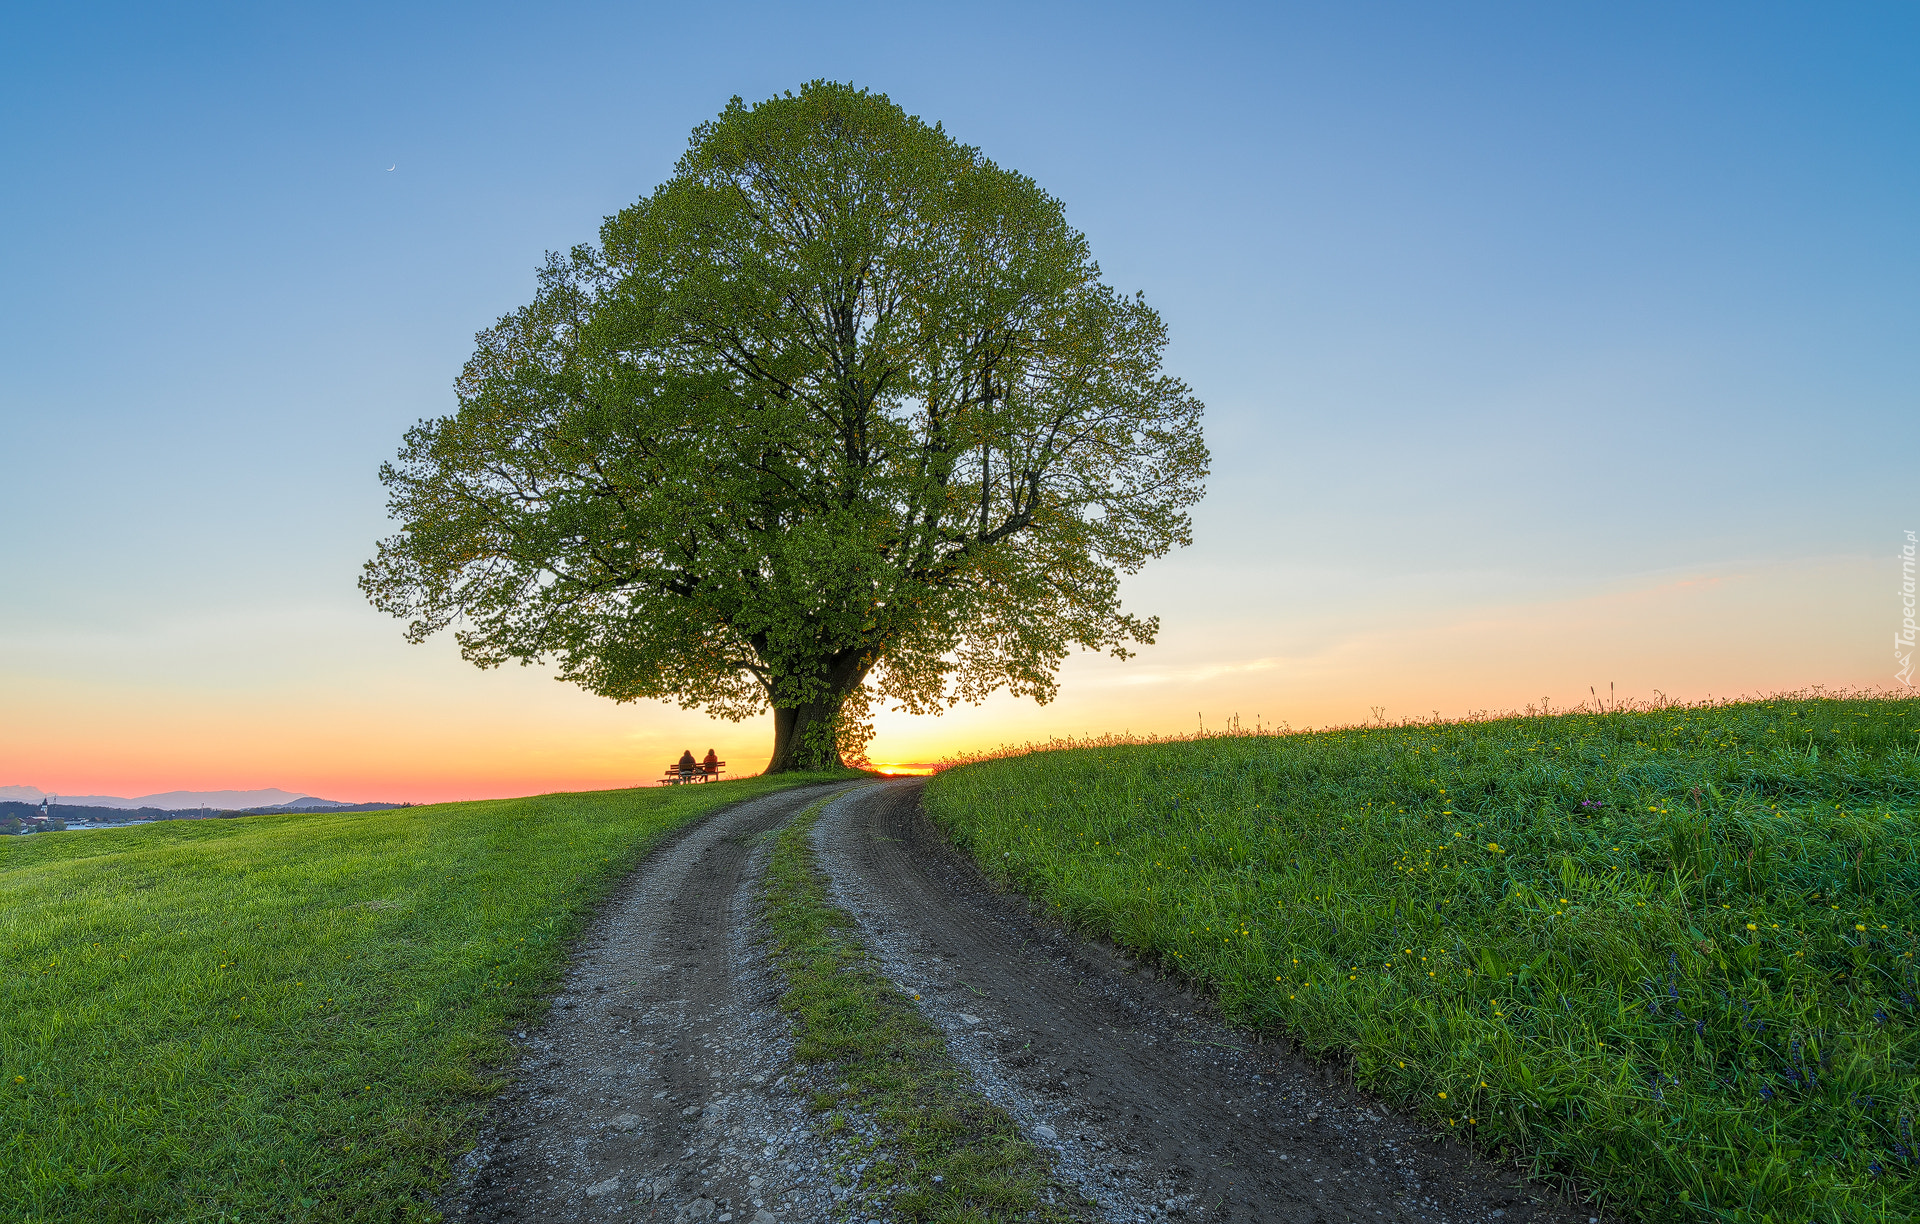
(50, 816)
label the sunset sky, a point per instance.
(1544, 347)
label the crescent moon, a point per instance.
(390, 169)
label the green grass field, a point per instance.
(287, 1017)
(1669, 951)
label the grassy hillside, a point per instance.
(1669, 950)
(286, 1017)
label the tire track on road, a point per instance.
(1153, 1107)
(654, 1088)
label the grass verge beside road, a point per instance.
(1671, 951)
(938, 1151)
(287, 1017)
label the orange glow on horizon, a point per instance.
(395, 724)
(906, 769)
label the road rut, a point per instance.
(654, 1089)
(1150, 1105)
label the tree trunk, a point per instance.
(804, 739)
(806, 733)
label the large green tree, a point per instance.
(842, 412)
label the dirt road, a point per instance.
(654, 1090)
(661, 1088)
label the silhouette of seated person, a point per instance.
(711, 766)
(688, 767)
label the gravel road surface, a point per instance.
(656, 1088)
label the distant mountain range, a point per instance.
(180, 801)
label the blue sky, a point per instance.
(1505, 316)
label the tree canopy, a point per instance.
(841, 412)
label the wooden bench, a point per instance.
(681, 773)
